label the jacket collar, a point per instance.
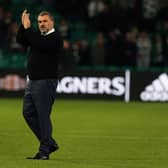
(49, 32)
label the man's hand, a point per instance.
(26, 19)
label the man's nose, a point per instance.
(42, 25)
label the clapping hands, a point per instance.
(26, 19)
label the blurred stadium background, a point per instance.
(114, 49)
(116, 52)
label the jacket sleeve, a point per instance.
(21, 36)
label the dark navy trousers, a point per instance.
(37, 106)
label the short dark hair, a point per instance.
(46, 13)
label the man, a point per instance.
(45, 46)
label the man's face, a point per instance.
(45, 23)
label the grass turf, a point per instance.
(91, 134)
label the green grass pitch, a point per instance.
(91, 134)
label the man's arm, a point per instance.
(21, 36)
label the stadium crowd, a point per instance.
(123, 33)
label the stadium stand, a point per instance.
(82, 28)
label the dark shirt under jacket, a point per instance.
(43, 54)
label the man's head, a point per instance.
(45, 22)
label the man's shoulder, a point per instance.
(56, 33)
